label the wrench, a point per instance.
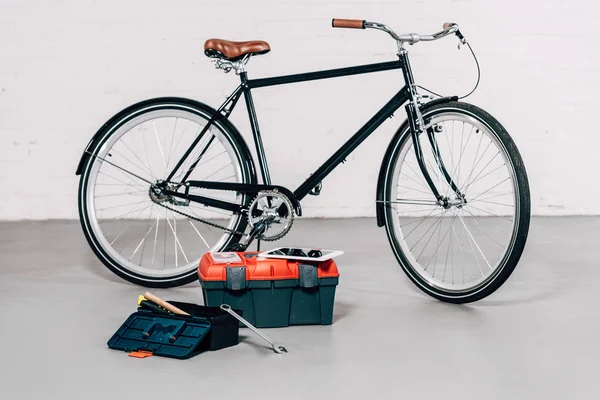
(276, 347)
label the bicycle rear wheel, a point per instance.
(465, 249)
(145, 238)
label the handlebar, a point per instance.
(411, 38)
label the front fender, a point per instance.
(379, 206)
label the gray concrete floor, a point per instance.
(538, 337)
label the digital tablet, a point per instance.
(301, 253)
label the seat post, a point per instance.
(260, 151)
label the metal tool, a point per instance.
(277, 348)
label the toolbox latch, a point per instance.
(236, 278)
(309, 275)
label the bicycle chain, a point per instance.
(195, 218)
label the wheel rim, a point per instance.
(462, 248)
(140, 236)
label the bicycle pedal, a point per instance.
(316, 190)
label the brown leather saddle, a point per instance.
(218, 48)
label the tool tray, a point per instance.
(177, 336)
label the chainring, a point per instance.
(274, 208)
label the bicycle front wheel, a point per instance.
(151, 239)
(466, 248)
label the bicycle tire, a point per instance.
(229, 132)
(519, 235)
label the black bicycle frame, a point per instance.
(406, 94)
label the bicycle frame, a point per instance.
(405, 94)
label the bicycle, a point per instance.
(151, 204)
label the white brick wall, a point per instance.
(66, 66)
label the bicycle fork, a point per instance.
(417, 126)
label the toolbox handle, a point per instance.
(309, 275)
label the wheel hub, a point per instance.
(157, 194)
(459, 201)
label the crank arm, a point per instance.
(208, 201)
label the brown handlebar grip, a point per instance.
(348, 23)
(448, 25)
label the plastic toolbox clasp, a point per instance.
(309, 275)
(236, 278)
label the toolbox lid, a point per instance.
(172, 336)
(217, 267)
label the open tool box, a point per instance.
(159, 332)
(271, 292)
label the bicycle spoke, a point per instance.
(476, 154)
(130, 211)
(211, 158)
(430, 236)
(414, 222)
(476, 165)
(483, 169)
(490, 213)
(201, 237)
(486, 235)
(177, 244)
(174, 229)
(170, 149)
(120, 193)
(123, 183)
(155, 235)
(136, 156)
(165, 241)
(122, 205)
(492, 202)
(216, 172)
(495, 227)
(140, 169)
(496, 195)
(424, 184)
(461, 252)
(124, 170)
(196, 159)
(474, 242)
(422, 220)
(119, 184)
(451, 255)
(174, 150)
(143, 241)
(222, 179)
(416, 190)
(128, 225)
(160, 146)
(434, 257)
(492, 171)
(496, 185)
(462, 150)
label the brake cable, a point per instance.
(476, 84)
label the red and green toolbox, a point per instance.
(271, 292)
